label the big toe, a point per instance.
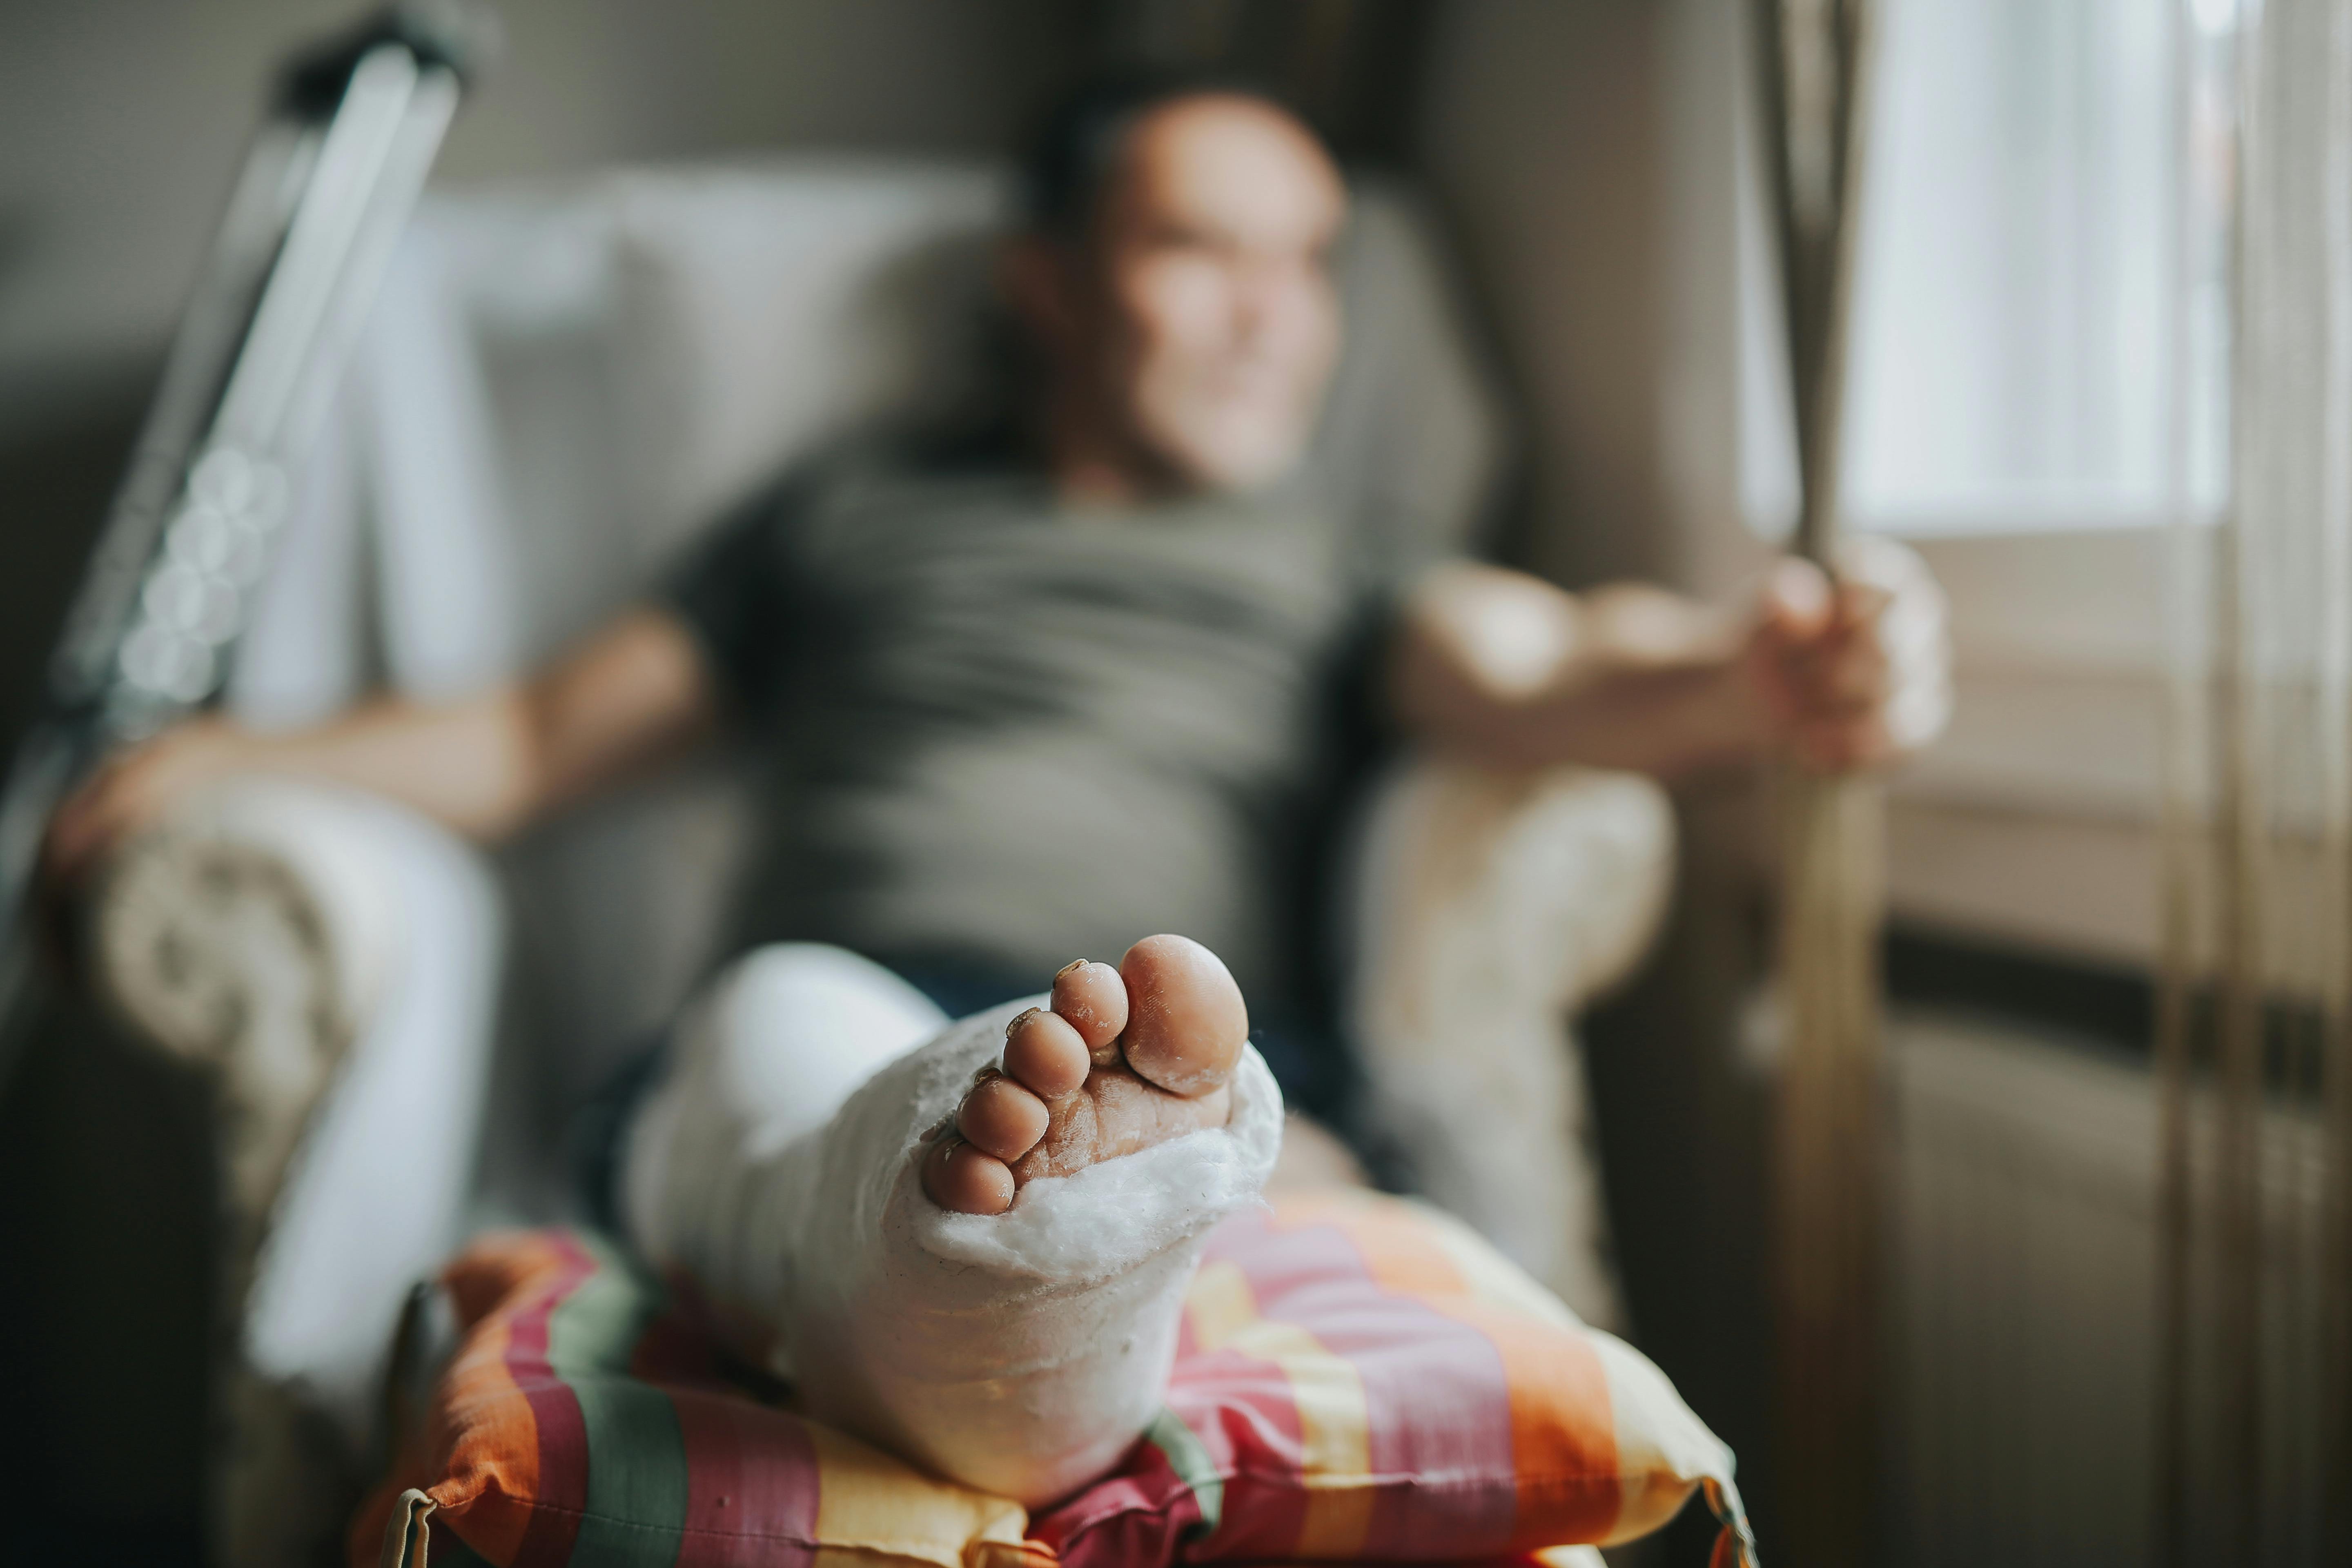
(1186, 1021)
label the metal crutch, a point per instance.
(327, 182)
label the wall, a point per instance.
(122, 122)
(1588, 157)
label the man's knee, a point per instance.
(788, 1030)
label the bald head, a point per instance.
(1187, 314)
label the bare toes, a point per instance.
(1045, 1053)
(1093, 999)
(966, 1180)
(1186, 1021)
(1124, 1058)
(1001, 1118)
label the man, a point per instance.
(1046, 701)
(1040, 703)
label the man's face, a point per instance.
(1200, 319)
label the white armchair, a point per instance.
(559, 387)
(1491, 907)
(330, 963)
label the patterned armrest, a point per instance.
(246, 936)
(328, 962)
(1494, 906)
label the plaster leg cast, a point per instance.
(977, 1257)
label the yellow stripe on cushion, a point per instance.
(1665, 1451)
(870, 1505)
(1572, 1557)
(1219, 1304)
(1335, 1424)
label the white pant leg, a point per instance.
(766, 1052)
(376, 1196)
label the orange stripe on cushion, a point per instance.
(1406, 1259)
(1563, 1420)
(500, 1264)
(1490, 1276)
(490, 1466)
(485, 1434)
(1563, 1426)
(1665, 1451)
(481, 1437)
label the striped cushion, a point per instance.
(1359, 1379)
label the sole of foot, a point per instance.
(1119, 1060)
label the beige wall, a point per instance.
(121, 120)
(1588, 154)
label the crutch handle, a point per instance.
(461, 35)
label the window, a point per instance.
(2040, 316)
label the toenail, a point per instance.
(1023, 1017)
(1074, 964)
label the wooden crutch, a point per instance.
(1814, 59)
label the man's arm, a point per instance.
(1509, 670)
(631, 697)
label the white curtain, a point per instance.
(2013, 355)
(2030, 235)
(2256, 1400)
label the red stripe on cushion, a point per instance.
(563, 1473)
(1240, 1407)
(563, 1432)
(752, 1484)
(1436, 1393)
(1139, 1514)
